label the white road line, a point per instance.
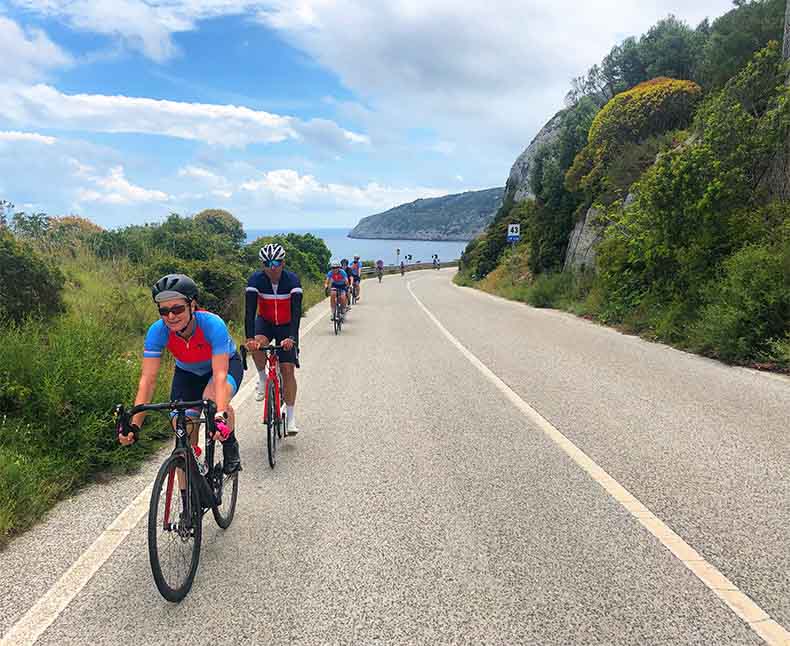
(28, 629)
(44, 612)
(757, 619)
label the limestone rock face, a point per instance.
(518, 180)
(584, 238)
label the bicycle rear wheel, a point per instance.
(226, 491)
(174, 535)
(271, 430)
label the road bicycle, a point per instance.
(189, 483)
(379, 274)
(339, 315)
(274, 407)
(354, 291)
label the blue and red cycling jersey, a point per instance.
(211, 337)
(337, 277)
(279, 305)
(354, 268)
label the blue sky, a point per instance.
(288, 113)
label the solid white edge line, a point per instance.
(41, 615)
(46, 610)
(755, 617)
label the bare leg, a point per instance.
(289, 383)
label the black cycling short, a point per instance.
(278, 333)
(187, 386)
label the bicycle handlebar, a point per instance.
(123, 426)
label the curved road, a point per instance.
(506, 475)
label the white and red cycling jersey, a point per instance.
(278, 305)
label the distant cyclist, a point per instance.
(402, 268)
(207, 364)
(276, 294)
(379, 269)
(356, 272)
(337, 284)
(436, 261)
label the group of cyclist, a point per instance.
(340, 279)
(208, 365)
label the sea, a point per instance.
(342, 246)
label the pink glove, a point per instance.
(222, 428)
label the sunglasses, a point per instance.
(272, 263)
(176, 309)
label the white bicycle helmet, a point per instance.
(271, 251)
(334, 264)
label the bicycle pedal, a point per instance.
(291, 433)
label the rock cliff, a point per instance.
(452, 217)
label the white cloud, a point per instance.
(202, 174)
(477, 72)
(28, 54)
(288, 186)
(471, 70)
(220, 186)
(114, 188)
(14, 136)
(225, 125)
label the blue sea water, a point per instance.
(342, 246)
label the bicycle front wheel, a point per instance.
(175, 530)
(271, 430)
(226, 491)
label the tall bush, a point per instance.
(29, 284)
(649, 109)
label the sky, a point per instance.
(287, 113)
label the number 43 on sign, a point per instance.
(513, 232)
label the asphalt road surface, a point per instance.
(468, 471)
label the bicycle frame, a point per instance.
(208, 409)
(272, 373)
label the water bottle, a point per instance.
(201, 464)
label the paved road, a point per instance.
(433, 510)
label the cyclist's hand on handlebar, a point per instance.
(132, 431)
(252, 345)
(223, 429)
(287, 344)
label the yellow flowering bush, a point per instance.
(646, 110)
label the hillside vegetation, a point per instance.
(452, 217)
(75, 304)
(663, 155)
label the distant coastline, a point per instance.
(392, 236)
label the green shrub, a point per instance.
(549, 289)
(749, 305)
(29, 285)
(221, 223)
(699, 203)
(651, 108)
(736, 36)
(221, 287)
(56, 427)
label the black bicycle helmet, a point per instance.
(174, 286)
